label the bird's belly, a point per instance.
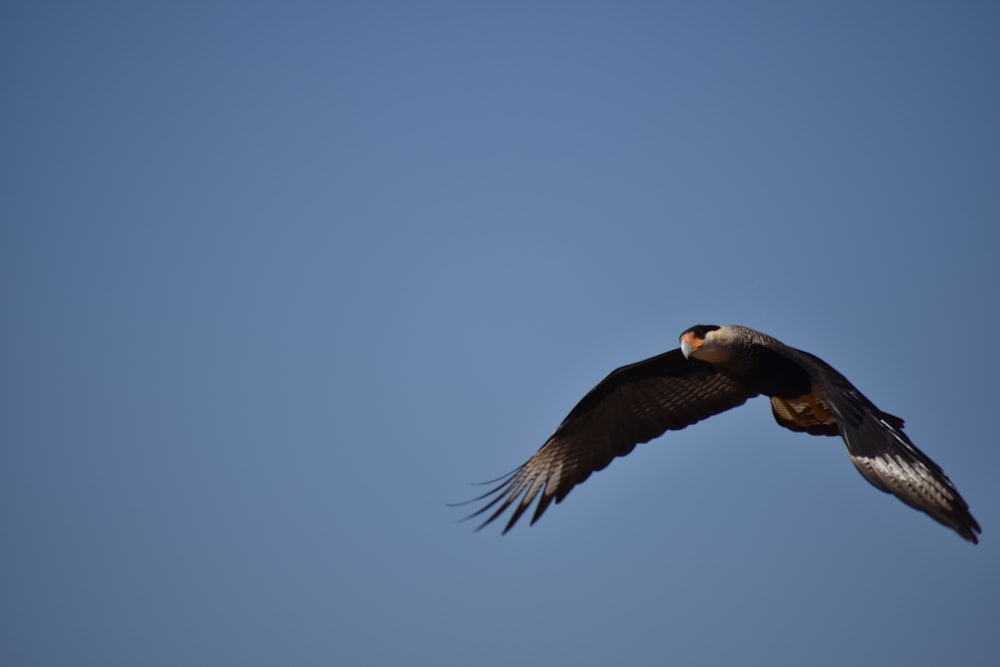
(772, 375)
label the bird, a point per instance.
(717, 368)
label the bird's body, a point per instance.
(716, 369)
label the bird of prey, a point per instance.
(715, 369)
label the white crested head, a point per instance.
(707, 342)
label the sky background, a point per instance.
(279, 280)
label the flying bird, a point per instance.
(715, 369)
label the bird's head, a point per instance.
(706, 342)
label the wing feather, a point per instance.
(883, 453)
(632, 405)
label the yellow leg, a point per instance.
(799, 418)
(819, 412)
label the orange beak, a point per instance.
(690, 343)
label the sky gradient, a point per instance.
(278, 280)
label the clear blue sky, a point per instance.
(278, 280)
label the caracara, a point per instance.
(715, 369)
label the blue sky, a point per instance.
(279, 279)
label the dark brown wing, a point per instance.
(882, 453)
(633, 404)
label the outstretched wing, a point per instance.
(882, 453)
(633, 404)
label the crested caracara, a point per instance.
(717, 368)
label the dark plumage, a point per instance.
(718, 368)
